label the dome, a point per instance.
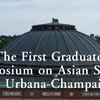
(51, 37)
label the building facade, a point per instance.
(47, 39)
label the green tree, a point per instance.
(4, 40)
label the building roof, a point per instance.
(51, 37)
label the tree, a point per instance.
(4, 40)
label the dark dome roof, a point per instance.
(47, 38)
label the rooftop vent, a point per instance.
(55, 20)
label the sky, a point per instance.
(18, 16)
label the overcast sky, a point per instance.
(17, 16)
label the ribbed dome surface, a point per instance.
(47, 38)
(67, 42)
